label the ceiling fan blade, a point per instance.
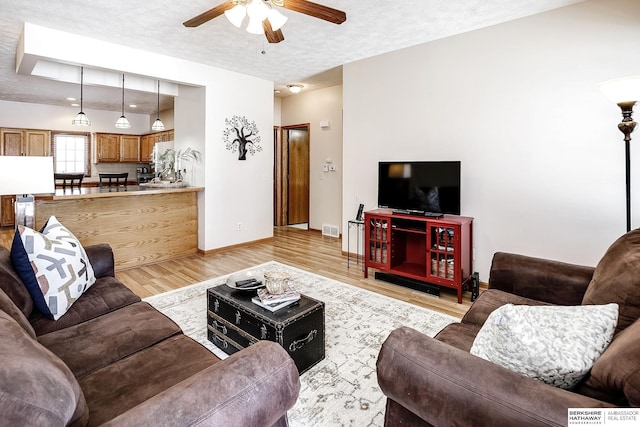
(316, 10)
(272, 36)
(208, 15)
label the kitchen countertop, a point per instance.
(95, 192)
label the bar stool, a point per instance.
(68, 179)
(113, 179)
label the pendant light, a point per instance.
(122, 122)
(81, 119)
(158, 125)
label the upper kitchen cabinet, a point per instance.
(146, 147)
(166, 135)
(114, 148)
(130, 148)
(25, 142)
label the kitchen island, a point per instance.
(143, 225)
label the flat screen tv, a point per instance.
(420, 187)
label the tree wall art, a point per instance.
(242, 136)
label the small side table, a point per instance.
(358, 225)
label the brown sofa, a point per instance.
(112, 359)
(437, 382)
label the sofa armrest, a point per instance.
(101, 259)
(254, 387)
(440, 383)
(540, 279)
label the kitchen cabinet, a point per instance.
(7, 213)
(130, 148)
(25, 142)
(164, 136)
(146, 147)
(108, 147)
(114, 148)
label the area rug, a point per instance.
(341, 390)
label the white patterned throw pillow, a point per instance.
(554, 344)
(53, 265)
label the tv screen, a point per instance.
(420, 186)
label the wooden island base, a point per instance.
(141, 226)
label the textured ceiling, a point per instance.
(311, 54)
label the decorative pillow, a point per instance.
(554, 344)
(53, 265)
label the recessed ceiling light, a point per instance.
(133, 106)
(295, 88)
(75, 105)
(71, 99)
(277, 92)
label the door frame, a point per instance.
(281, 171)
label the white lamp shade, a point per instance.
(123, 123)
(255, 26)
(157, 125)
(257, 10)
(81, 120)
(236, 14)
(626, 89)
(26, 175)
(276, 19)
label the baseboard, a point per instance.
(408, 283)
(239, 245)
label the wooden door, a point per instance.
(129, 148)
(37, 142)
(298, 173)
(11, 142)
(108, 147)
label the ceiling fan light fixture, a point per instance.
(122, 122)
(236, 14)
(295, 88)
(81, 119)
(257, 9)
(255, 26)
(276, 19)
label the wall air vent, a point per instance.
(330, 230)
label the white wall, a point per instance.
(325, 188)
(542, 160)
(234, 191)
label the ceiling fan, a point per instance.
(264, 18)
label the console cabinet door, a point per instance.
(377, 234)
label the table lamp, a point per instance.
(25, 176)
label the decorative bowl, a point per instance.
(276, 281)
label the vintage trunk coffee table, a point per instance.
(234, 322)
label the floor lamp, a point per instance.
(626, 93)
(25, 176)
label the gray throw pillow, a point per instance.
(554, 344)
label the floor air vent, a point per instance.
(330, 230)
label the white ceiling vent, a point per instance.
(330, 230)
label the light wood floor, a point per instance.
(308, 250)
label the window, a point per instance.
(71, 153)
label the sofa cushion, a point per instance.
(615, 377)
(122, 333)
(554, 344)
(616, 279)
(12, 285)
(36, 388)
(106, 295)
(116, 388)
(53, 265)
